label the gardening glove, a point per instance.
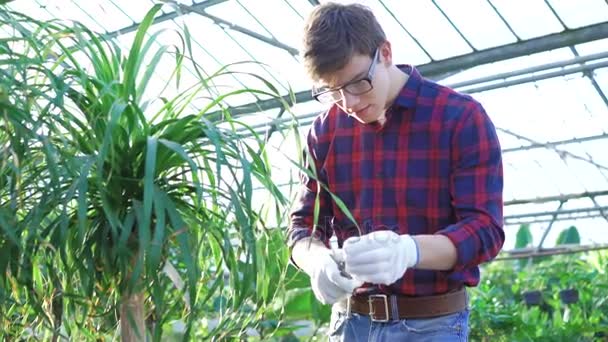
(381, 257)
(328, 283)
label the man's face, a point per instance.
(360, 88)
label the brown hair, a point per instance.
(334, 33)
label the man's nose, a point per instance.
(349, 101)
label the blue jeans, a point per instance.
(448, 328)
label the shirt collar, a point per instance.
(409, 92)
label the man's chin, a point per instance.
(370, 119)
(379, 119)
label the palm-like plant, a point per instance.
(125, 212)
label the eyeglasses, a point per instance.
(354, 87)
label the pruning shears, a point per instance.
(338, 258)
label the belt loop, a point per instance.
(348, 307)
(394, 308)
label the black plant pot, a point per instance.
(568, 296)
(533, 297)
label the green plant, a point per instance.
(499, 312)
(121, 205)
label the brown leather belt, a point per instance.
(380, 306)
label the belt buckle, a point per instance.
(370, 301)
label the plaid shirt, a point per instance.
(435, 167)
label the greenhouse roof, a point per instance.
(539, 67)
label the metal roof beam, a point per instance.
(527, 47)
(164, 17)
(524, 253)
(560, 198)
(555, 143)
(548, 229)
(199, 9)
(561, 215)
(435, 70)
(226, 24)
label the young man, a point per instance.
(419, 168)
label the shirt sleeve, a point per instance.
(302, 214)
(476, 186)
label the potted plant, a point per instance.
(140, 210)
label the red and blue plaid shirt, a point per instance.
(435, 167)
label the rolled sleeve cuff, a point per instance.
(297, 234)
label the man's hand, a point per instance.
(321, 265)
(327, 282)
(380, 257)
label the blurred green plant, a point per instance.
(572, 298)
(569, 236)
(119, 204)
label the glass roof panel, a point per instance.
(510, 65)
(222, 49)
(526, 178)
(593, 153)
(425, 22)
(542, 173)
(134, 9)
(583, 173)
(66, 10)
(404, 48)
(303, 8)
(105, 13)
(284, 66)
(233, 12)
(596, 46)
(601, 76)
(602, 200)
(277, 17)
(564, 107)
(478, 22)
(32, 9)
(532, 20)
(581, 12)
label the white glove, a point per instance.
(328, 284)
(321, 264)
(381, 257)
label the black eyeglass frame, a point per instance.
(325, 96)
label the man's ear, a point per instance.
(386, 53)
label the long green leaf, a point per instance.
(149, 176)
(83, 185)
(133, 60)
(158, 241)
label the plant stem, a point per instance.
(132, 324)
(132, 315)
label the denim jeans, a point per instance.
(452, 327)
